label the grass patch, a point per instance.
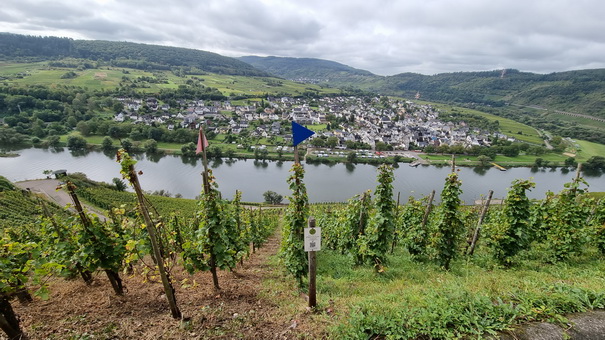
(110, 77)
(578, 120)
(509, 127)
(419, 300)
(588, 149)
(521, 160)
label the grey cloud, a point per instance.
(385, 37)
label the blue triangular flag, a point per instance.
(300, 133)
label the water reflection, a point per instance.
(216, 162)
(154, 157)
(189, 160)
(261, 164)
(350, 167)
(592, 173)
(110, 153)
(56, 149)
(79, 153)
(480, 170)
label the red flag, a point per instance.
(202, 142)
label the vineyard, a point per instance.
(19, 208)
(386, 270)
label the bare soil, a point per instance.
(242, 309)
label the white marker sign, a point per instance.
(312, 239)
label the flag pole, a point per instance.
(296, 156)
(299, 134)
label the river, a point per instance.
(325, 183)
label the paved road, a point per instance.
(48, 188)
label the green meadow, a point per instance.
(108, 77)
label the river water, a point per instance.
(325, 183)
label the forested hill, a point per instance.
(573, 91)
(576, 91)
(310, 70)
(122, 54)
(581, 92)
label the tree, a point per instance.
(381, 146)
(188, 150)
(430, 148)
(351, 157)
(538, 162)
(107, 143)
(318, 142)
(332, 142)
(150, 146)
(53, 141)
(511, 150)
(457, 149)
(83, 128)
(595, 163)
(126, 145)
(484, 160)
(119, 184)
(272, 197)
(76, 143)
(571, 162)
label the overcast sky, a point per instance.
(385, 37)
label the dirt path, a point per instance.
(242, 309)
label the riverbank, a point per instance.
(264, 150)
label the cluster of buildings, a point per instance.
(401, 124)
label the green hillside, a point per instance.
(580, 92)
(147, 81)
(122, 54)
(310, 70)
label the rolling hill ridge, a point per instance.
(122, 54)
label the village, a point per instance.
(346, 122)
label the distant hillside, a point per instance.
(122, 54)
(576, 91)
(309, 70)
(580, 92)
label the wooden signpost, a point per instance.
(312, 245)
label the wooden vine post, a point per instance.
(129, 173)
(202, 145)
(312, 245)
(453, 163)
(473, 242)
(112, 275)
(9, 322)
(427, 211)
(84, 273)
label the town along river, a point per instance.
(325, 183)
